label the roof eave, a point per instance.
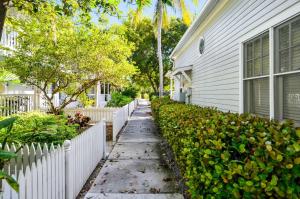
(209, 5)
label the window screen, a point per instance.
(256, 56)
(288, 97)
(256, 67)
(288, 46)
(287, 66)
(256, 96)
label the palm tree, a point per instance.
(161, 20)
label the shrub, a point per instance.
(227, 155)
(130, 92)
(79, 119)
(156, 103)
(118, 100)
(36, 127)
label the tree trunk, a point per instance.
(3, 10)
(159, 51)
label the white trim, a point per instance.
(287, 73)
(274, 21)
(256, 77)
(241, 84)
(180, 69)
(208, 7)
(271, 71)
(186, 77)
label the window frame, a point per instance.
(250, 79)
(281, 20)
(289, 48)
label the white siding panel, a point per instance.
(215, 74)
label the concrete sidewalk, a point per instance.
(135, 168)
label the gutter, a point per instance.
(208, 7)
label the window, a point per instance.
(286, 76)
(201, 46)
(287, 71)
(256, 79)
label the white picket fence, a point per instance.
(56, 172)
(121, 116)
(96, 114)
(118, 116)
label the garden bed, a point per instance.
(227, 155)
(38, 127)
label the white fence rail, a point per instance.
(118, 116)
(61, 172)
(96, 114)
(121, 116)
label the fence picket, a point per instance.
(25, 156)
(34, 181)
(28, 183)
(22, 187)
(52, 181)
(44, 177)
(39, 178)
(32, 154)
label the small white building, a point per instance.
(242, 56)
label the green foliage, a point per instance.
(36, 127)
(145, 55)
(130, 92)
(227, 155)
(67, 55)
(85, 100)
(6, 126)
(118, 100)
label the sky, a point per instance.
(148, 11)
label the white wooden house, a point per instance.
(242, 56)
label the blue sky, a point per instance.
(150, 10)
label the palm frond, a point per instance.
(186, 15)
(196, 2)
(165, 18)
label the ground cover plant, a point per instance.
(227, 155)
(36, 127)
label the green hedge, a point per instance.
(227, 155)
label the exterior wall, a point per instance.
(216, 73)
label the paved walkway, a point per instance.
(134, 169)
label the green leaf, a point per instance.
(242, 148)
(274, 180)
(7, 155)
(7, 122)
(11, 181)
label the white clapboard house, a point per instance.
(242, 56)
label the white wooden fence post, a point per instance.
(104, 139)
(68, 170)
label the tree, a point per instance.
(161, 21)
(61, 7)
(145, 56)
(57, 53)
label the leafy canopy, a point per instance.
(144, 55)
(67, 55)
